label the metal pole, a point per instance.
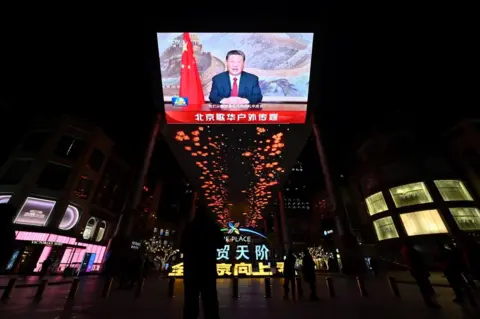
(351, 256)
(332, 196)
(283, 224)
(124, 225)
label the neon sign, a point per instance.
(237, 259)
(242, 269)
(245, 265)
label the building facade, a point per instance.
(68, 188)
(406, 186)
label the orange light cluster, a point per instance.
(213, 170)
(265, 163)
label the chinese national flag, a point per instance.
(190, 84)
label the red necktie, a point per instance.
(235, 87)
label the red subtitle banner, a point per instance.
(238, 117)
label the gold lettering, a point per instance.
(263, 270)
(177, 270)
(224, 269)
(242, 269)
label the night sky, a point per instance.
(367, 71)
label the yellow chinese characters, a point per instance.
(280, 266)
(242, 269)
(177, 270)
(224, 269)
(263, 270)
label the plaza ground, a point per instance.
(154, 301)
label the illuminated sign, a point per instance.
(234, 229)
(327, 232)
(242, 269)
(246, 265)
(70, 218)
(135, 245)
(47, 243)
(4, 198)
(238, 239)
(35, 212)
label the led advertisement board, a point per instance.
(235, 78)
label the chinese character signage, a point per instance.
(224, 78)
(240, 269)
(246, 262)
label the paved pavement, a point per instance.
(251, 302)
(33, 280)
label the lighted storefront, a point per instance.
(242, 255)
(434, 204)
(66, 252)
(83, 257)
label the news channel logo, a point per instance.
(179, 101)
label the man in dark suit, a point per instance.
(235, 86)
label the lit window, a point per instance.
(423, 223)
(376, 204)
(90, 228)
(161, 232)
(167, 232)
(101, 231)
(453, 190)
(467, 218)
(385, 228)
(410, 194)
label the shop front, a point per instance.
(66, 253)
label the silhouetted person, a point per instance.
(419, 271)
(46, 264)
(309, 273)
(289, 274)
(451, 264)
(471, 255)
(136, 268)
(7, 234)
(199, 243)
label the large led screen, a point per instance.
(228, 78)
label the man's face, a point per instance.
(235, 64)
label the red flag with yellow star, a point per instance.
(190, 84)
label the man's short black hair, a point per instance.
(235, 52)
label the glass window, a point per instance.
(385, 228)
(15, 172)
(410, 194)
(467, 218)
(376, 203)
(167, 232)
(101, 231)
(84, 187)
(34, 141)
(54, 176)
(69, 147)
(70, 218)
(423, 223)
(96, 160)
(452, 190)
(90, 228)
(35, 212)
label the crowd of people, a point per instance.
(459, 260)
